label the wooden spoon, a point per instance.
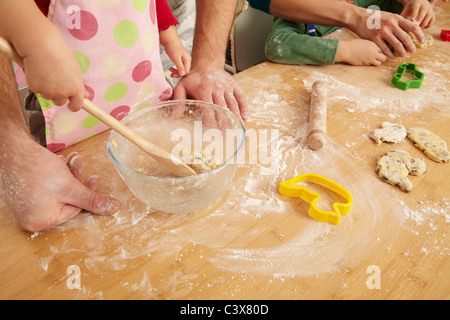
(174, 164)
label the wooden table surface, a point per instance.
(255, 243)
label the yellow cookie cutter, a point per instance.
(287, 188)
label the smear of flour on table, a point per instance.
(321, 247)
(363, 96)
(137, 233)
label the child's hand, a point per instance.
(51, 69)
(359, 52)
(420, 11)
(181, 58)
(56, 75)
(177, 53)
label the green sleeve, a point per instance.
(289, 43)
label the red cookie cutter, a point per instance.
(445, 35)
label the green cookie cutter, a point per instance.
(413, 83)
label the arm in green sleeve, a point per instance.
(288, 43)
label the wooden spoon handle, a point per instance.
(171, 162)
(126, 132)
(10, 52)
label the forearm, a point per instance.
(25, 27)
(325, 12)
(11, 118)
(211, 34)
(300, 49)
(169, 35)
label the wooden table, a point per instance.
(255, 243)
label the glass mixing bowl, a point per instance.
(183, 128)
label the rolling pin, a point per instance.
(318, 116)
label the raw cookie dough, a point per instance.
(201, 161)
(428, 41)
(434, 147)
(394, 166)
(389, 132)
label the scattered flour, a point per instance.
(425, 211)
(362, 96)
(137, 233)
(426, 218)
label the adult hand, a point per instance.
(385, 28)
(216, 86)
(42, 190)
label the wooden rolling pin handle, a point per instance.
(316, 140)
(318, 116)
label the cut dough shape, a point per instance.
(394, 167)
(433, 146)
(389, 132)
(428, 41)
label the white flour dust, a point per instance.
(250, 229)
(362, 96)
(424, 220)
(425, 211)
(232, 225)
(320, 247)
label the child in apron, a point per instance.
(117, 44)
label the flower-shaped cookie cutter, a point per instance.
(445, 35)
(288, 188)
(412, 83)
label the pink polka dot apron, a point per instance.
(117, 45)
